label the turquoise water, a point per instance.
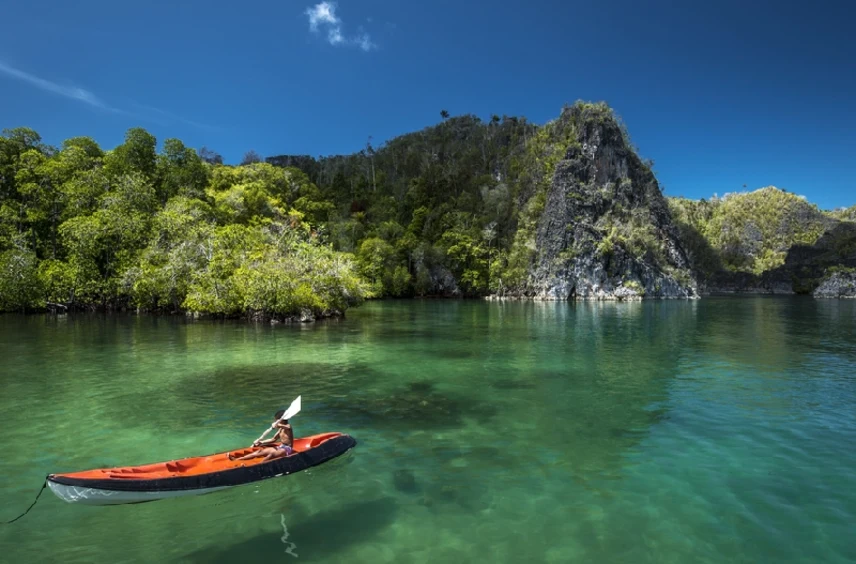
(718, 430)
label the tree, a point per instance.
(251, 157)
(82, 193)
(180, 170)
(182, 231)
(262, 272)
(85, 144)
(444, 114)
(258, 190)
(136, 154)
(210, 156)
(371, 153)
(13, 143)
(38, 181)
(379, 264)
(22, 138)
(20, 287)
(468, 257)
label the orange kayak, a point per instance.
(193, 476)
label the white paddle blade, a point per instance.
(293, 409)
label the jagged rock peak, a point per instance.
(606, 231)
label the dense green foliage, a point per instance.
(442, 201)
(137, 228)
(451, 209)
(844, 214)
(463, 198)
(748, 232)
(436, 211)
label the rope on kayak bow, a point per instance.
(44, 485)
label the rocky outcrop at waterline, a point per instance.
(837, 285)
(806, 268)
(606, 231)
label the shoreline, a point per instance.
(340, 316)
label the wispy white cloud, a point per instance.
(335, 37)
(89, 98)
(73, 92)
(323, 13)
(365, 42)
(323, 16)
(171, 117)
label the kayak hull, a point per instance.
(192, 476)
(96, 496)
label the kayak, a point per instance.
(193, 476)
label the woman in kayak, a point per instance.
(284, 436)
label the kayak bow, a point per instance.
(192, 476)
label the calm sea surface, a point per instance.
(718, 430)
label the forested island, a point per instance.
(466, 208)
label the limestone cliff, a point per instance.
(606, 231)
(763, 242)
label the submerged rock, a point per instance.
(405, 481)
(837, 285)
(416, 405)
(421, 387)
(511, 384)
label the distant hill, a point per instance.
(768, 240)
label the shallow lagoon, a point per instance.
(717, 430)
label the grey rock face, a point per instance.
(606, 231)
(443, 282)
(433, 278)
(837, 285)
(805, 268)
(775, 282)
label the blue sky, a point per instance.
(719, 93)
